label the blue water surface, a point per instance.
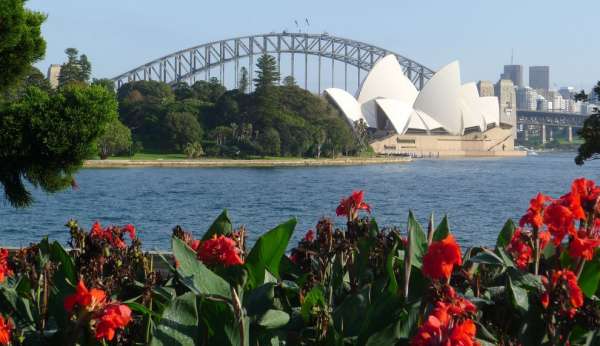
(477, 194)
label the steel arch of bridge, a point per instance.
(185, 64)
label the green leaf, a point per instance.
(518, 297)
(220, 325)
(442, 230)
(314, 298)
(63, 281)
(590, 277)
(259, 300)
(195, 275)
(389, 266)
(387, 308)
(506, 234)
(179, 323)
(417, 240)
(487, 257)
(267, 253)
(273, 319)
(221, 226)
(348, 316)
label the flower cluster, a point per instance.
(220, 250)
(5, 270)
(351, 205)
(441, 257)
(6, 328)
(563, 292)
(106, 317)
(113, 235)
(521, 246)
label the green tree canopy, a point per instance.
(590, 149)
(116, 140)
(21, 42)
(76, 69)
(266, 73)
(44, 137)
(243, 82)
(183, 128)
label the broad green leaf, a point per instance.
(518, 297)
(417, 240)
(260, 299)
(195, 275)
(63, 281)
(506, 234)
(442, 230)
(349, 314)
(221, 226)
(179, 323)
(220, 324)
(387, 308)
(273, 319)
(484, 335)
(267, 253)
(488, 257)
(389, 266)
(590, 277)
(390, 334)
(525, 280)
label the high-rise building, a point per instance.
(526, 98)
(566, 92)
(555, 101)
(539, 77)
(53, 74)
(485, 88)
(507, 100)
(514, 73)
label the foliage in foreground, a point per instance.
(361, 285)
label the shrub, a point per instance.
(357, 285)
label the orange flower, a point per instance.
(219, 250)
(559, 220)
(441, 328)
(84, 298)
(533, 216)
(351, 205)
(5, 270)
(521, 246)
(112, 317)
(583, 247)
(6, 327)
(129, 228)
(441, 257)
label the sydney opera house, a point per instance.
(445, 118)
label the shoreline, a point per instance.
(221, 163)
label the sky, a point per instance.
(120, 35)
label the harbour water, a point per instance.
(477, 194)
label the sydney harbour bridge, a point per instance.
(323, 60)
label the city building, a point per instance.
(566, 92)
(507, 100)
(556, 102)
(526, 98)
(53, 74)
(542, 104)
(444, 118)
(514, 73)
(485, 88)
(539, 77)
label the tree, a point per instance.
(108, 84)
(193, 150)
(208, 91)
(116, 140)
(44, 137)
(76, 69)
(33, 77)
(581, 96)
(182, 128)
(21, 42)
(266, 74)
(182, 91)
(289, 81)
(243, 82)
(271, 142)
(590, 149)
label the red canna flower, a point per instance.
(441, 328)
(5, 270)
(6, 328)
(441, 257)
(521, 246)
(563, 284)
(533, 216)
(219, 250)
(85, 298)
(112, 317)
(587, 193)
(351, 205)
(129, 228)
(560, 221)
(310, 235)
(582, 247)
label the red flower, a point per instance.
(533, 216)
(112, 317)
(587, 191)
(559, 220)
(5, 270)
(6, 327)
(441, 328)
(441, 257)
(582, 247)
(84, 298)
(310, 235)
(351, 205)
(563, 284)
(129, 228)
(220, 250)
(458, 306)
(521, 246)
